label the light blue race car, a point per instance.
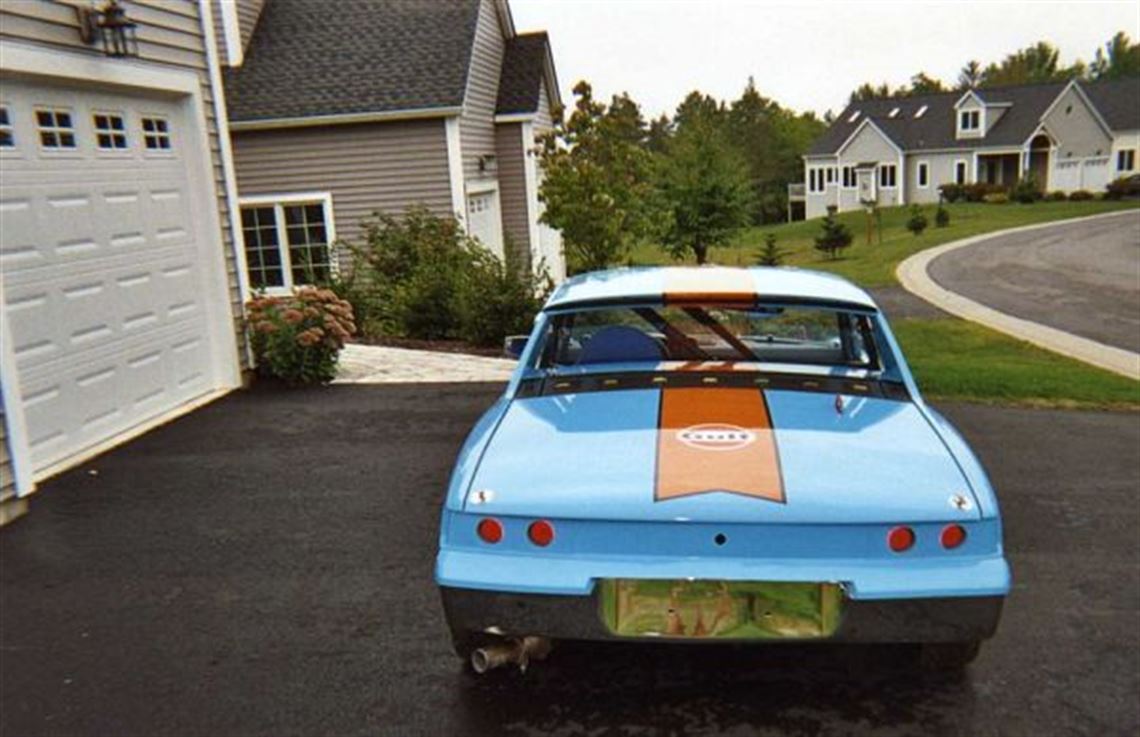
(719, 455)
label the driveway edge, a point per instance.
(913, 275)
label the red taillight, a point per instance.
(900, 539)
(490, 530)
(541, 533)
(953, 536)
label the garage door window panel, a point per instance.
(7, 134)
(56, 127)
(156, 134)
(110, 131)
(287, 242)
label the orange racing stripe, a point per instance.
(716, 439)
(712, 285)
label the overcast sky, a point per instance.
(805, 55)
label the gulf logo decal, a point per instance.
(716, 439)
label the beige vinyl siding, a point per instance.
(940, 167)
(512, 189)
(1072, 123)
(219, 30)
(477, 123)
(248, 12)
(367, 167)
(544, 118)
(169, 33)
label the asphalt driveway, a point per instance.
(1083, 278)
(263, 566)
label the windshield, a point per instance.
(771, 334)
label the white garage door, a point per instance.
(1096, 174)
(104, 280)
(484, 221)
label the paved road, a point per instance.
(262, 567)
(1083, 278)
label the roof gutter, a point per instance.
(386, 116)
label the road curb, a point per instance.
(913, 275)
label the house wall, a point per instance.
(477, 122)
(169, 34)
(7, 474)
(941, 172)
(512, 189)
(219, 30)
(1075, 128)
(816, 203)
(1122, 141)
(367, 167)
(993, 115)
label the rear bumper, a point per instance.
(941, 619)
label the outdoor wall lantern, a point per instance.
(111, 26)
(487, 163)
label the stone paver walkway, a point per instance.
(371, 364)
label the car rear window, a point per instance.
(653, 333)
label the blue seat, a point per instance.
(618, 343)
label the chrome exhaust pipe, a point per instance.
(518, 651)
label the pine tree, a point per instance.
(835, 236)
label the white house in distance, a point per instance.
(898, 150)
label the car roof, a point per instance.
(708, 283)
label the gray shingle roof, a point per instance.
(524, 65)
(353, 56)
(1116, 101)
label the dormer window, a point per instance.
(894, 113)
(970, 120)
(920, 112)
(854, 117)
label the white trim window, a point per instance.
(110, 131)
(816, 181)
(961, 171)
(850, 181)
(922, 176)
(830, 175)
(56, 127)
(156, 133)
(888, 176)
(1126, 159)
(969, 120)
(288, 240)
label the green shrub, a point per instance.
(835, 236)
(996, 198)
(770, 255)
(942, 216)
(420, 276)
(917, 222)
(1057, 196)
(1025, 191)
(298, 337)
(951, 192)
(1081, 195)
(1123, 187)
(977, 192)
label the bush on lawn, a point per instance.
(770, 254)
(297, 338)
(1057, 196)
(951, 192)
(996, 198)
(1123, 187)
(1026, 191)
(835, 236)
(942, 216)
(421, 276)
(1081, 195)
(978, 192)
(917, 222)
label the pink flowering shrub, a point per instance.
(298, 337)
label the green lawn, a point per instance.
(874, 265)
(955, 359)
(951, 358)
